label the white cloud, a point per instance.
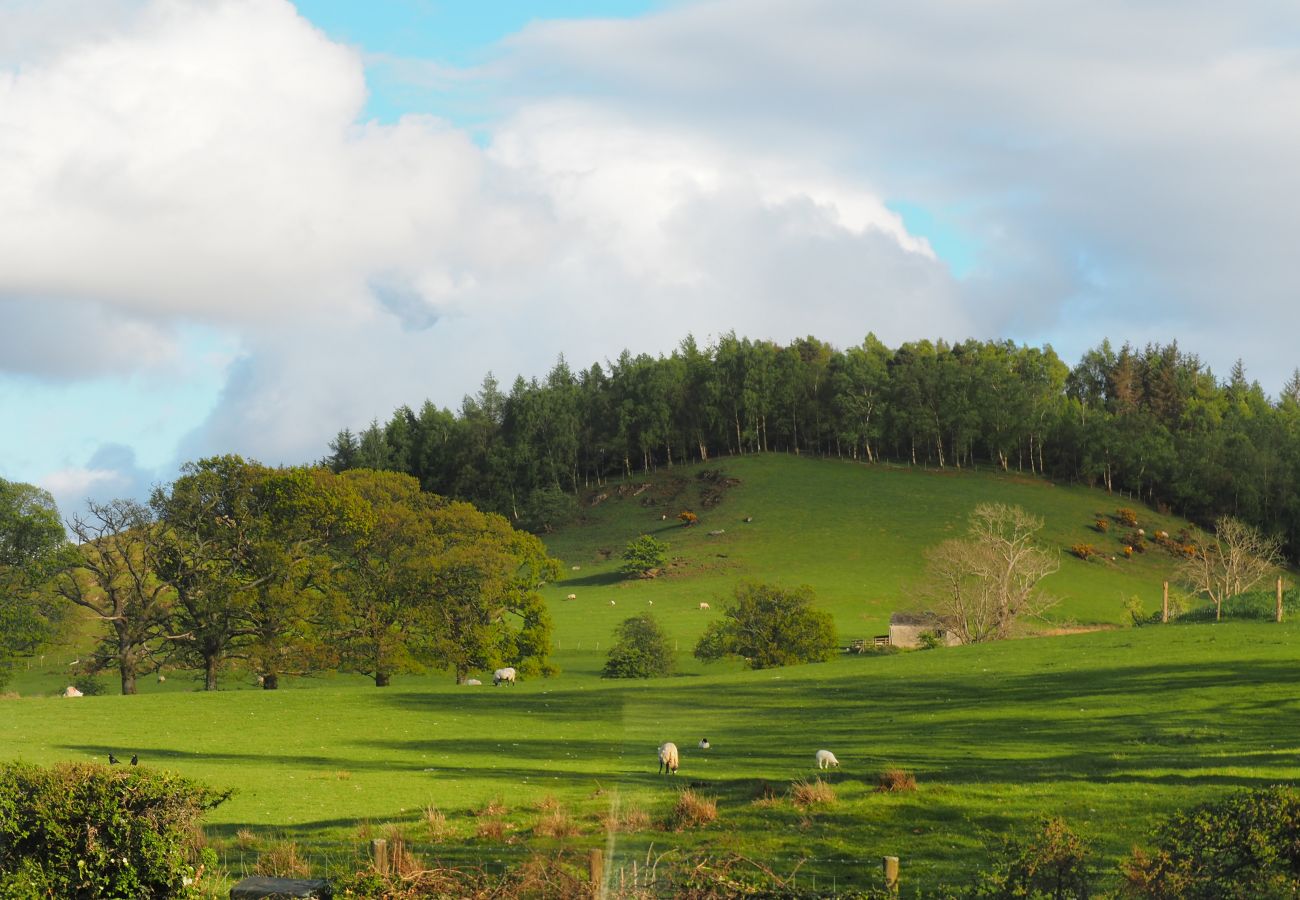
(175, 163)
(79, 481)
(203, 163)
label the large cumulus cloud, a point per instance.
(176, 164)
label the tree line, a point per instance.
(277, 571)
(1152, 422)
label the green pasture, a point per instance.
(1109, 729)
(856, 533)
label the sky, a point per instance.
(241, 225)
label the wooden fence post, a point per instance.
(596, 864)
(1164, 606)
(1279, 598)
(891, 874)
(379, 851)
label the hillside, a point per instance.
(856, 533)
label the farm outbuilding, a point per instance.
(905, 630)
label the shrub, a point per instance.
(1101, 525)
(893, 781)
(644, 556)
(435, 822)
(91, 686)
(1085, 552)
(1135, 539)
(692, 810)
(82, 830)
(1126, 517)
(929, 640)
(556, 823)
(1051, 861)
(807, 793)
(1128, 551)
(1242, 846)
(687, 518)
(282, 860)
(642, 650)
(1136, 611)
(770, 626)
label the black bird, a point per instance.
(135, 759)
(113, 760)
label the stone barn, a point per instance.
(905, 630)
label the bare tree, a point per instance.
(1231, 562)
(111, 576)
(981, 585)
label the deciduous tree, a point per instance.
(1232, 561)
(767, 626)
(981, 585)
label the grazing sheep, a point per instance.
(668, 758)
(704, 744)
(571, 597)
(718, 532)
(161, 677)
(826, 759)
(473, 682)
(71, 691)
(652, 603)
(506, 675)
(611, 603)
(576, 568)
(704, 606)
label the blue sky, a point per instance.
(240, 225)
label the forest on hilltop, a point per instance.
(1153, 422)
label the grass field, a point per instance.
(1110, 729)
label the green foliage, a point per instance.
(930, 640)
(547, 509)
(423, 580)
(642, 650)
(88, 831)
(770, 626)
(1243, 846)
(643, 555)
(31, 540)
(1049, 863)
(1136, 611)
(90, 685)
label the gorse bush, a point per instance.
(80, 830)
(1247, 845)
(1049, 862)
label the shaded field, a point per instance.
(1109, 729)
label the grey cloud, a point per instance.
(1156, 141)
(63, 340)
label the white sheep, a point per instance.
(668, 758)
(704, 744)
(506, 675)
(611, 603)
(571, 597)
(474, 682)
(71, 691)
(704, 606)
(826, 759)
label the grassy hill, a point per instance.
(856, 533)
(1110, 729)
